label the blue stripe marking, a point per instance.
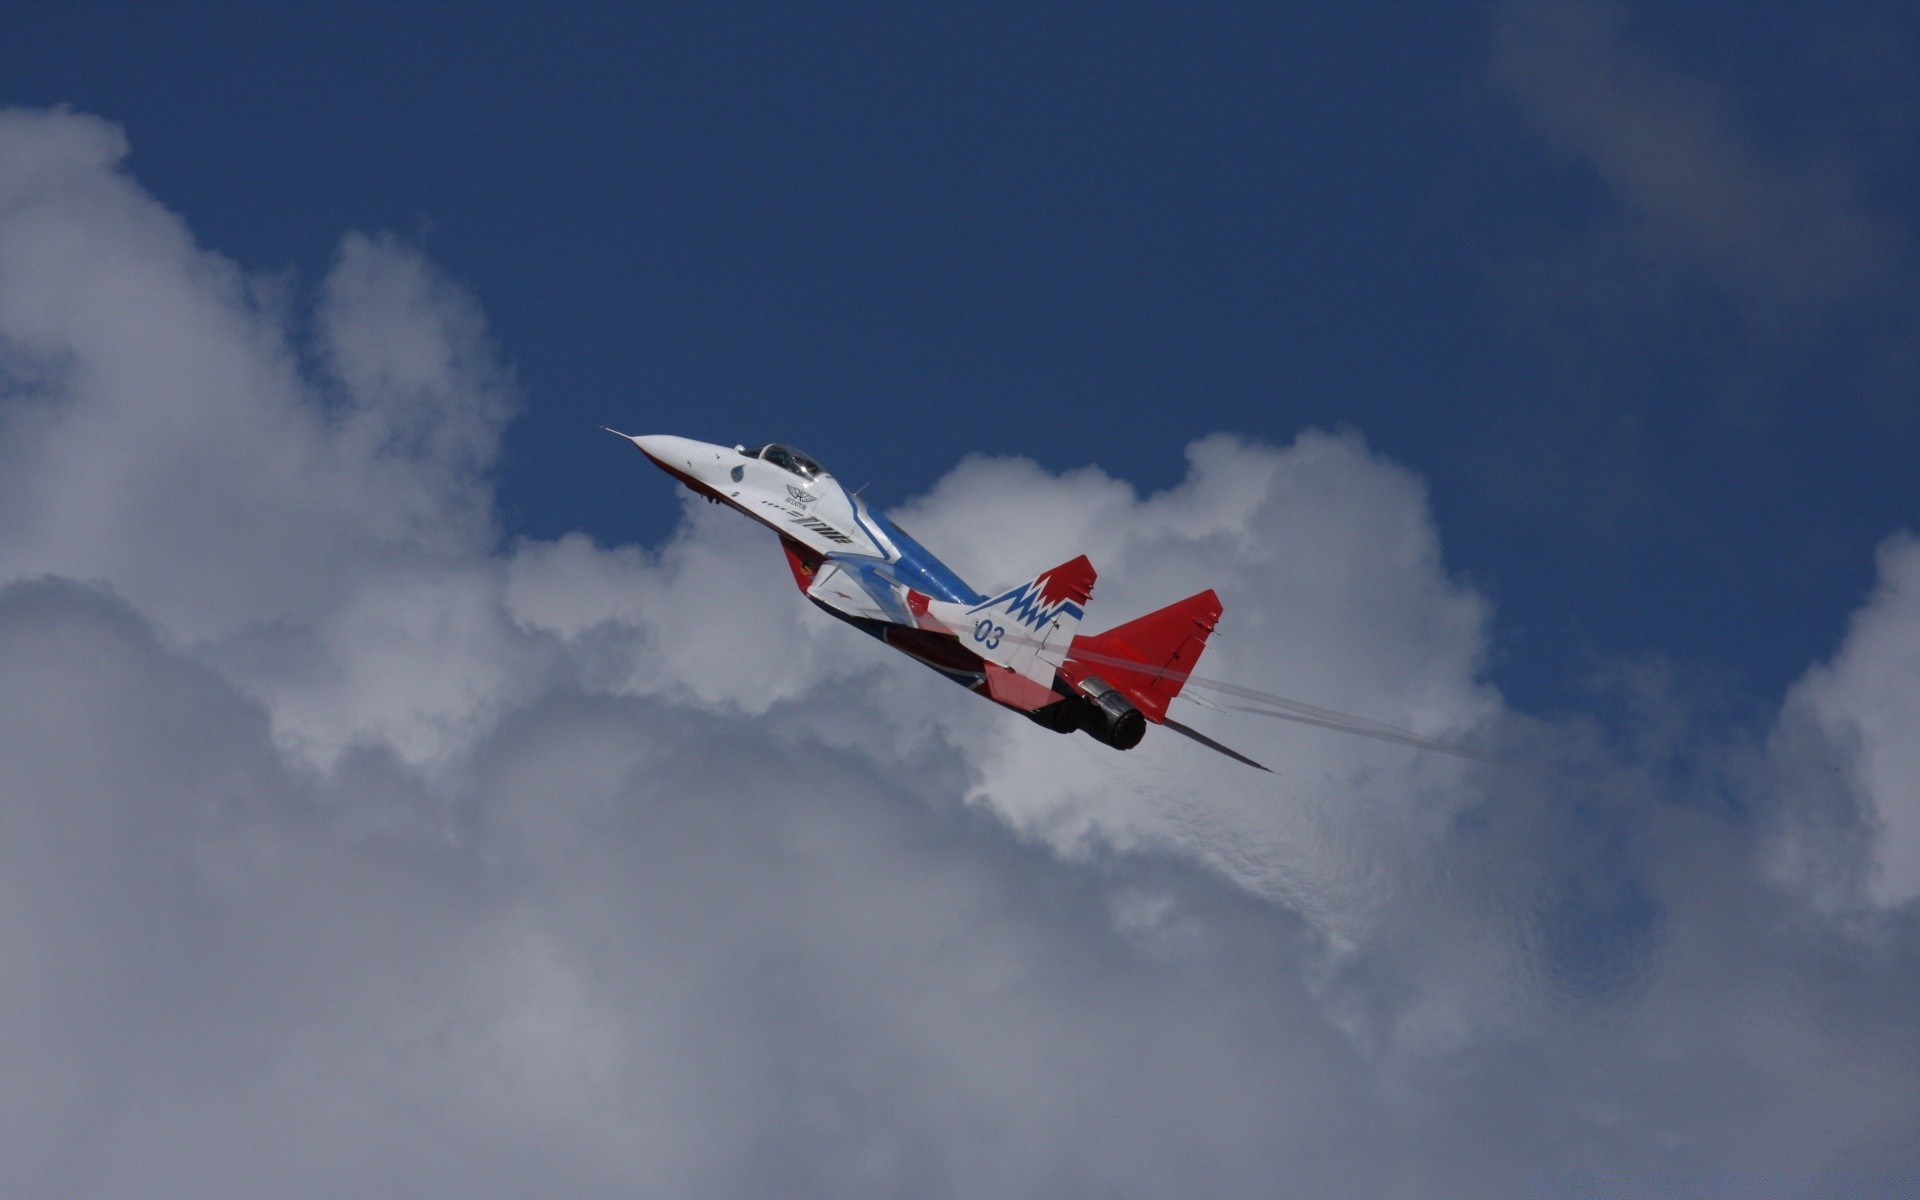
(919, 569)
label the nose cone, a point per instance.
(681, 456)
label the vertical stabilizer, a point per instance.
(1027, 629)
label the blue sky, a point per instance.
(897, 236)
(404, 790)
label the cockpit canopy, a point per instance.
(786, 458)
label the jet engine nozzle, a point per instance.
(1110, 717)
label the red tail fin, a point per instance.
(1148, 658)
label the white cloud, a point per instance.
(1329, 568)
(1867, 704)
(343, 850)
(160, 433)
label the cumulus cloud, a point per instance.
(1866, 704)
(345, 850)
(158, 415)
(1329, 567)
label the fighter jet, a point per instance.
(1020, 647)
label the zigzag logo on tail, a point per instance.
(1031, 606)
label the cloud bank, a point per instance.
(345, 849)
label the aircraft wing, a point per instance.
(860, 587)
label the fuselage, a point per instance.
(848, 559)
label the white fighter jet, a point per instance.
(1020, 647)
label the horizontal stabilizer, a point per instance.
(1210, 744)
(1149, 658)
